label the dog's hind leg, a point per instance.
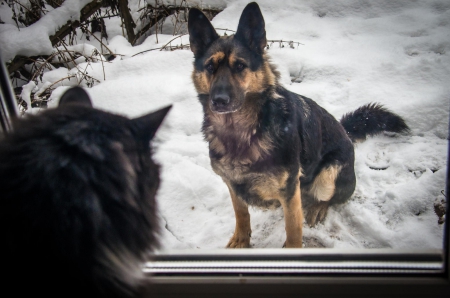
(243, 231)
(322, 190)
(293, 217)
(316, 212)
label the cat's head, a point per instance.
(78, 188)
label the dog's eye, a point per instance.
(239, 66)
(210, 67)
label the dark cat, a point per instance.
(77, 205)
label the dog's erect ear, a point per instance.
(201, 32)
(75, 96)
(147, 125)
(251, 29)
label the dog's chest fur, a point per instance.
(240, 153)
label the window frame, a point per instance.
(8, 109)
(285, 272)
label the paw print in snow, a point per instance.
(378, 159)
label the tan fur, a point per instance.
(232, 58)
(316, 212)
(201, 82)
(216, 145)
(324, 186)
(258, 81)
(216, 58)
(243, 231)
(293, 218)
(268, 185)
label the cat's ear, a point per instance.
(75, 96)
(147, 125)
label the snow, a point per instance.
(354, 52)
(34, 40)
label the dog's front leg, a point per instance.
(293, 217)
(243, 231)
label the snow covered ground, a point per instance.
(396, 52)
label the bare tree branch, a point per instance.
(127, 19)
(86, 12)
(89, 9)
(163, 11)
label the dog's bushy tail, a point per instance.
(372, 119)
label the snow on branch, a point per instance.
(51, 43)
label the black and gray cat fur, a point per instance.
(77, 206)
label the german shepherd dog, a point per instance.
(269, 145)
(77, 204)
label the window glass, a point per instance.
(342, 54)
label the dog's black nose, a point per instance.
(221, 100)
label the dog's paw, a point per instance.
(241, 240)
(298, 245)
(316, 213)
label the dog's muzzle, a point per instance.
(221, 103)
